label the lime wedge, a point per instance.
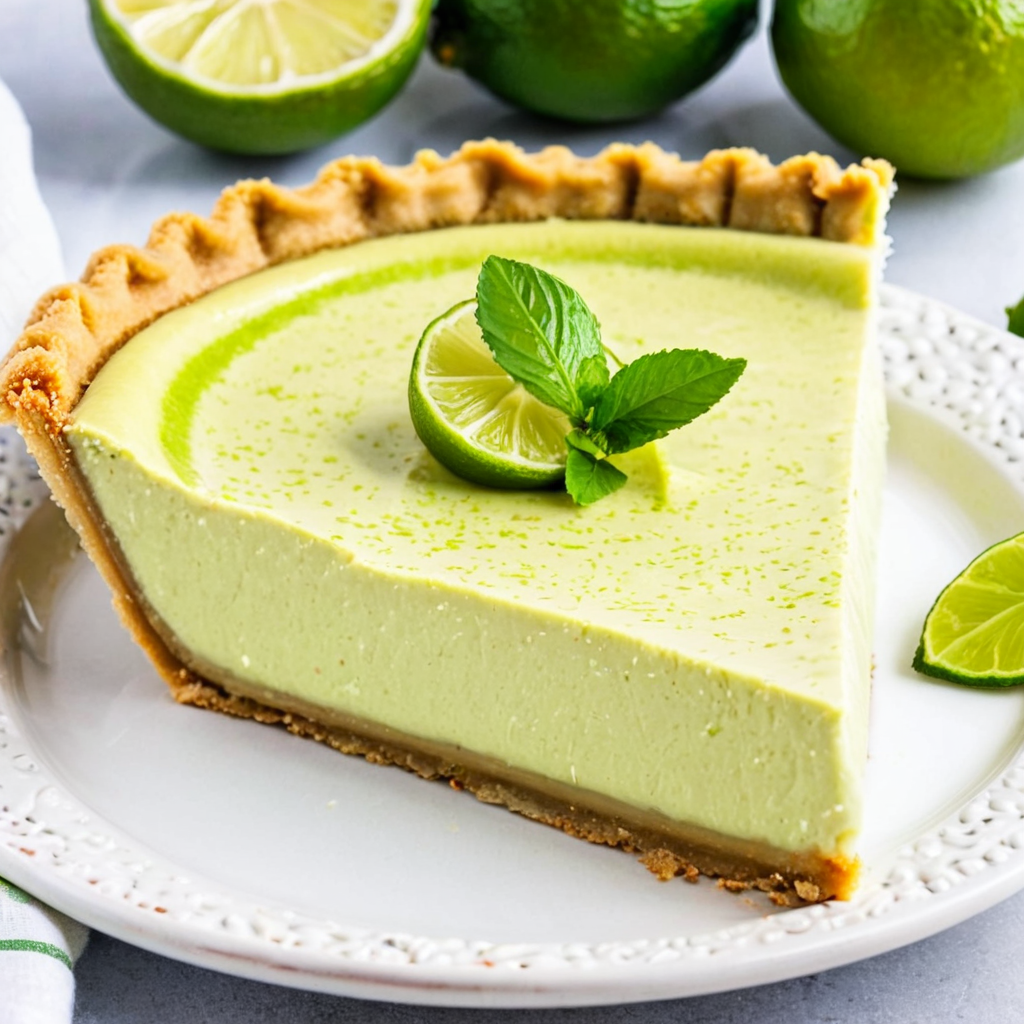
(260, 76)
(974, 633)
(473, 417)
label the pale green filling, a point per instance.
(707, 657)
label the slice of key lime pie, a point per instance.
(681, 669)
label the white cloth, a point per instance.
(30, 258)
(38, 946)
(38, 949)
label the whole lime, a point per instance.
(591, 60)
(267, 77)
(935, 86)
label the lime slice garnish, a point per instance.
(974, 633)
(473, 417)
(260, 76)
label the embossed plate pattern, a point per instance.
(944, 837)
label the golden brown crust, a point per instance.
(255, 224)
(77, 327)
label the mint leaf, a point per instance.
(588, 479)
(540, 332)
(591, 380)
(583, 442)
(657, 393)
(1016, 319)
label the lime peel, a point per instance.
(941, 102)
(600, 60)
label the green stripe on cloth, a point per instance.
(11, 890)
(31, 946)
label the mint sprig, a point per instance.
(544, 336)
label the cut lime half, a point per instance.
(260, 76)
(473, 417)
(974, 633)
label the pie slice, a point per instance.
(681, 670)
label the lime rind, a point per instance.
(473, 418)
(592, 61)
(858, 69)
(974, 632)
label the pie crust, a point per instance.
(75, 328)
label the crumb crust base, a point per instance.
(667, 848)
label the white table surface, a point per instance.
(107, 172)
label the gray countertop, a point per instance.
(107, 172)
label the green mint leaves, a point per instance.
(657, 393)
(543, 335)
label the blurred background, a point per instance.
(107, 170)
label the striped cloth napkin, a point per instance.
(38, 946)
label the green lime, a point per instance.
(974, 633)
(591, 60)
(935, 86)
(269, 77)
(473, 417)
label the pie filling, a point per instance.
(689, 660)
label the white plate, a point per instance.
(237, 847)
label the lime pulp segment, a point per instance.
(243, 43)
(974, 633)
(473, 417)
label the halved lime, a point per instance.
(974, 633)
(260, 76)
(473, 417)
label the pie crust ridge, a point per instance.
(75, 328)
